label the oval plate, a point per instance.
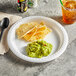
(58, 38)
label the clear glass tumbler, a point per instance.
(68, 11)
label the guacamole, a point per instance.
(38, 49)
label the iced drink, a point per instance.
(69, 11)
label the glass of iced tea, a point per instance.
(68, 11)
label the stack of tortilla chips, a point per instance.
(32, 31)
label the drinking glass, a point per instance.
(68, 11)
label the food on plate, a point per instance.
(24, 28)
(40, 34)
(38, 49)
(32, 31)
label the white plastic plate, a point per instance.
(58, 38)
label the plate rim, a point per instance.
(38, 60)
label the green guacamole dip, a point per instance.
(39, 49)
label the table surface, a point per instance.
(65, 65)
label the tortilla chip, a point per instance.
(32, 31)
(24, 28)
(40, 33)
(30, 34)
